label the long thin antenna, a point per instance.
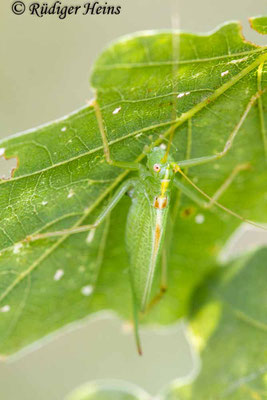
(175, 22)
(234, 214)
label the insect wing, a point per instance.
(144, 238)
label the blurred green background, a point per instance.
(44, 72)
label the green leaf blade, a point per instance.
(233, 351)
(63, 180)
(259, 24)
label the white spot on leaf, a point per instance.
(71, 193)
(90, 236)
(224, 73)
(238, 61)
(5, 308)
(2, 151)
(17, 248)
(87, 290)
(163, 146)
(182, 94)
(64, 129)
(116, 111)
(44, 203)
(199, 219)
(58, 275)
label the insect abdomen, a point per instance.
(144, 236)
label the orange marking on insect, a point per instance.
(160, 202)
(157, 236)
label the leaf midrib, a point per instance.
(179, 62)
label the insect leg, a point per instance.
(234, 214)
(112, 203)
(261, 112)
(206, 159)
(226, 184)
(189, 192)
(164, 271)
(213, 199)
(136, 324)
(134, 166)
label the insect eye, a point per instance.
(156, 167)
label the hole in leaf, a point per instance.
(7, 166)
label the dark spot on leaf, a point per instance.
(188, 212)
